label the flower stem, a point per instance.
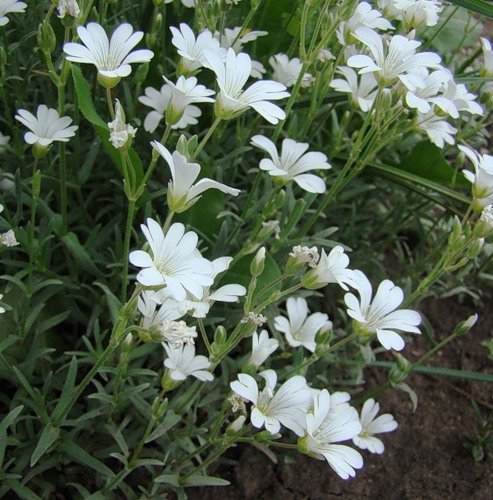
(126, 247)
(204, 336)
(206, 138)
(110, 103)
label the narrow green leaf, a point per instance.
(168, 479)
(84, 97)
(49, 436)
(68, 388)
(80, 254)
(478, 6)
(170, 420)
(204, 481)
(22, 491)
(396, 174)
(52, 321)
(79, 455)
(112, 300)
(4, 424)
(25, 384)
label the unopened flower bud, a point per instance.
(484, 227)
(141, 73)
(46, 38)
(258, 263)
(37, 183)
(474, 250)
(159, 408)
(108, 82)
(236, 426)
(464, 326)
(400, 370)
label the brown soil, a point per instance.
(425, 457)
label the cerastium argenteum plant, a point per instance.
(200, 204)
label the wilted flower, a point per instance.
(112, 57)
(299, 328)
(305, 255)
(381, 315)
(46, 126)
(293, 163)
(182, 192)
(121, 134)
(232, 75)
(287, 406)
(8, 7)
(177, 333)
(8, 239)
(182, 363)
(68, 7)
(175, 262)
(366, 439)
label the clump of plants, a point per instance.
(215, 215)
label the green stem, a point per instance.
(116, 337)
(126, 247)
(204, 336)
(206, 138)
(34, 205)
(110, 103)
(247, 20)
(167, 222)
(155, 156)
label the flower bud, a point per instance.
(159, 408)
(464, 326)
(236, 426)
(46, 38)
(484, 227)
(474, 250)
(141, 73)
(108, 82)
(37, 184)
(400, 370)
(258, 263)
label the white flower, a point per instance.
(364, 15)
(391, 64)
(9, 6)
(438, 130)
(175, 263)
(460, 99)
(182, 362)
(422, 93)
(299, 328)
(416, 13)
(121, 134)
(262, 347)
(232, 74)
(362, 91)
(159, 100)
(8, 239)
(293, 163)
(112, 57)
(381, 316)
(330, 268)
(2, 309)
(151, 315)
(331, 422)
(287, 406)
(4, 142)
(185, 92)
(191, 49)
(287, 71)
(487, 68)
(46, 126)
(68, 7)
(366, 439)
(482, 178)
(487, 217)
(199, 307)
(182, 192)
(227, 38)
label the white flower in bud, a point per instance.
(8, 239)
(325, 55)
(120, 132)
